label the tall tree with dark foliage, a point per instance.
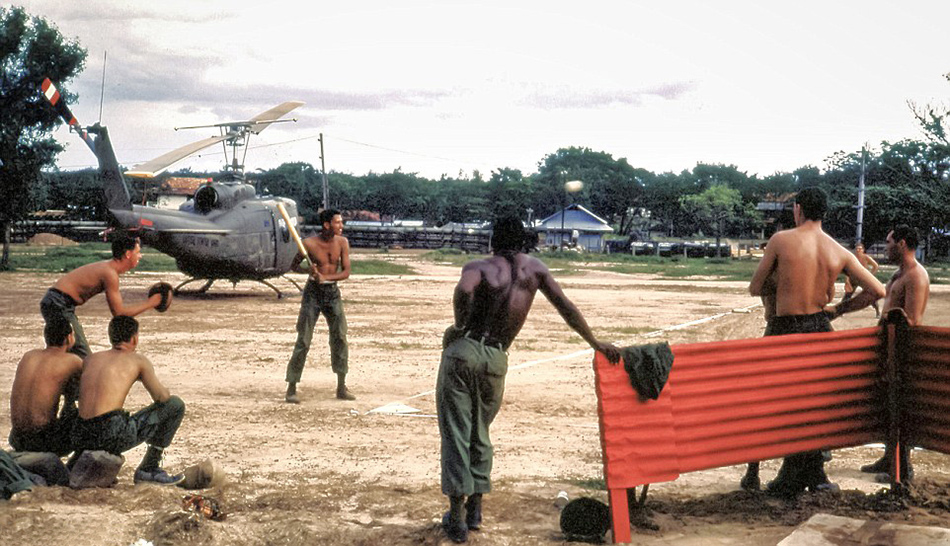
(31, 49)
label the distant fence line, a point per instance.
(469, 240)
(417, 237)
(75, 230)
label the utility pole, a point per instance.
(860, 222)
(323, 170)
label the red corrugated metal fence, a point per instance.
(732, 402)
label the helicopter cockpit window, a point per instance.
(284, 232)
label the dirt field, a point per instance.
(332, 472)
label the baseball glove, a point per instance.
(165, 290)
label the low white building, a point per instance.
(575, 227)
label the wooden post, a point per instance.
(896, 338)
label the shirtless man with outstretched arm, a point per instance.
(908, 289)
(329, 255)
(799, 270)
(491, 303)
(43, 377)
(103, 424)
(81, 284)
(867, 262)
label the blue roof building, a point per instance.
(574, 225)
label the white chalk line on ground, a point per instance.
(575, 354)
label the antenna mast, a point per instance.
(102, 90)
(860, 222)
(323, 169)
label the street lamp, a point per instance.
(571, 187)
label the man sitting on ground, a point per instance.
(43, 376)
(107, 378)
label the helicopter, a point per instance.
(225, 231)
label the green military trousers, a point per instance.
(468, 395)
(320, 298)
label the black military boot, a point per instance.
(751, 482)
(473, 512)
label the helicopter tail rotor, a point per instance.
(54, 98)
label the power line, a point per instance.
(400, 151)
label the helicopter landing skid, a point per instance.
(209, 282)
(202, 290)
(292, 282)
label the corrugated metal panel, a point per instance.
(731, 402)
(734, 401)
(926, 380)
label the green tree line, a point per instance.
(906, 181)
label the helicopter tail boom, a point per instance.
(116, 192)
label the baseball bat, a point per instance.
(293, 231)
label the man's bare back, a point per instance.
(494, 296)
(41, 379)
(108, 377)
(804, 263)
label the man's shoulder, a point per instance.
(30, 358)
(73, 360)
(60, 357)
(110, 356)
(106, 269)
(919, 274)
(318, 241)
(476, 264)
(780, 238)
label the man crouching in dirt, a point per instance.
(106, 380)
(492, 300)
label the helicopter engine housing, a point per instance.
(221, 196)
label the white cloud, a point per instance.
(438, 87)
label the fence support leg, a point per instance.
(620, 515)
(896, 331)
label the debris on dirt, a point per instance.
(177, 528)
(206, 506)
(923, 501)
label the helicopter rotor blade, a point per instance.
(157, 166)
(54, 98)
(236, 130)
(257, 123)
(264, 119)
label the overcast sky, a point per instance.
(437, 87)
